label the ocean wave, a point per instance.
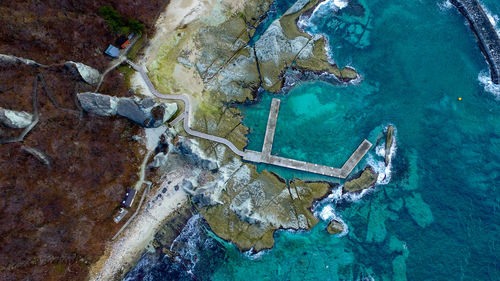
(328, 214)
(188, 242)
(444, 5)
(484, 78)
(494, 19)
(384, 172)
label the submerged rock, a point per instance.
(15, 119)
(334, 227)
(88, 74)
(389, 138)
(365, 180)
(146, 112)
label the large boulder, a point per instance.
(334, 227)
(15, 119)
(102, 105)
(88, 74)
(145, 112)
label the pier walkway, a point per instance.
(256, 156)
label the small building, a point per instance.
(129, 198)
(123, 42)
(112, 51)
(120, 214)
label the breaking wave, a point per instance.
(490, 87)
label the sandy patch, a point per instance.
(188, 79)
(124, 252)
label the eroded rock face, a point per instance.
(146, 112)
(364, 180)
(88, 74)
(273, 44)
(15, 119)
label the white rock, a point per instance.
(273, 44)
(15, 119)
(88, 74)
(170, 110)
(99, 104)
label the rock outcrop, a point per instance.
(88, 74)
(334, 227)
(102, 105)
(273, 45)
(15, 119)
(9, 60)
(366, 179)
(389, 139)
(145, 112)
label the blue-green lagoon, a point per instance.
(436, 215)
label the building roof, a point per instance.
(121, 40)
(112, 51)
(129, 198)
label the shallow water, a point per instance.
(438, 216)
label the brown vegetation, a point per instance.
(56, 219)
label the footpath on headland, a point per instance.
(256, 156)
(488, 38)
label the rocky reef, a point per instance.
(363, 180)
(334, 227)
(389, 139)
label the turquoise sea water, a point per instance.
(438, 217)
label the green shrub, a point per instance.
(118, 24)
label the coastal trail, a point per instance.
(256, 156)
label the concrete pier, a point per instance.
(270, 129)
(488, 39)
(256, 156)
(266, 157)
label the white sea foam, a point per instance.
(494, 19)
(353, 197)
(384, 172)
(444, 5)
(490, 87)
(329, 5)
(255, 256)
(327, 213)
